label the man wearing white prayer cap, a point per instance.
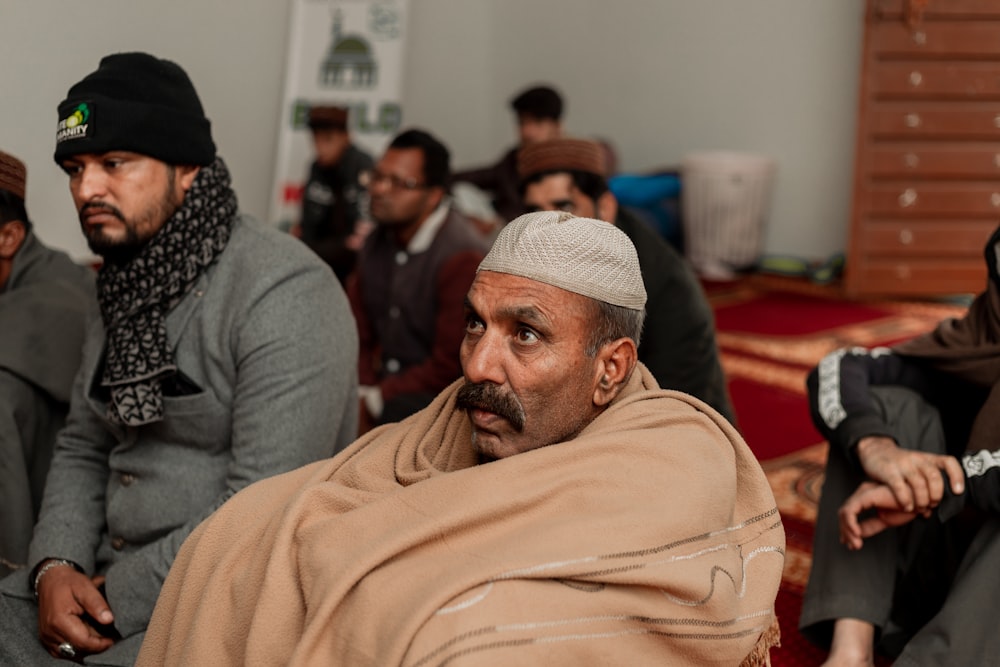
(554, 506)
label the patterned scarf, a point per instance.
(136, 296)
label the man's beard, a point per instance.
(489, 397)
(115, 251)
(121, 251)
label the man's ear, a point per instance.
(607, 207)
(11, 237)
(186, 175)
(616, 361)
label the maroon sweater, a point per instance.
(409, 308)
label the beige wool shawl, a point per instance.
(650, 538)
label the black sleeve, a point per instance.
(839, 389)
(982, 485)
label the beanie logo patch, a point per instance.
(76, 125)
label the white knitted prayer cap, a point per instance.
(581, 255)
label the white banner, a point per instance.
(346, 53)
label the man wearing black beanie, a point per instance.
(225, 353)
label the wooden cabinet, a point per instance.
(927, 162)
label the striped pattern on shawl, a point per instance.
(650, 538)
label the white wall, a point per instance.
(660, 78)
(233, 50)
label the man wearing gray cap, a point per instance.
(225, 353)
(554, 506)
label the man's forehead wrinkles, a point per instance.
(509, 297)
(529, 310)
(521, 312)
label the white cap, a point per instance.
(581, 255)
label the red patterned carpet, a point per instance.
(770, 337)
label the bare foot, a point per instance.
(841, 660)
(852, 644)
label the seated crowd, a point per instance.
(395, 440)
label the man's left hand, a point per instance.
(889, 513)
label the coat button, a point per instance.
(127, 479)
(118, 543)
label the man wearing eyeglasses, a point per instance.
(413, 272)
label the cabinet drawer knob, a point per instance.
(912, 120)
(920, 37)
(996, 159)
(908, 198)
(916, 78)
(905, 237)
(995, 199)
(902, 271)
(911, 160)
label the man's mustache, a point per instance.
(97, 206)
(489, 397)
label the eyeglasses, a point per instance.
(394, 182)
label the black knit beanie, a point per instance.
(139, 103)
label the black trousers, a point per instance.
(928, 593)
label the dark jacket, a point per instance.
(332, 202)
(44, 310)
(955, 368)
(678, 339)
(501, 180)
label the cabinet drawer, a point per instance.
(929, 120)
(941, 40)
(935, 81)
(936, 200)
(917, 277)
(925, 238)
(928, 161)
(938, 9)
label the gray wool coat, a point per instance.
(268, 345)
(44, 309)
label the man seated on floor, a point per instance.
(412, 274)
(538, 112)
(46, 300)
(919, 579)
(678, 339)
(225, 353)
(554, 496)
